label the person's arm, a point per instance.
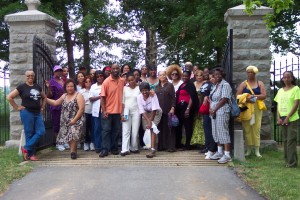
(294, 109)
(49, 90)
(44, 101)
(279, 120)
(187, 111)
(93, 99)
(173, 99)
(80, 112)
(103, 106)
(149, 121)
(57, 102)
(263, 94)
(10, 99)
(240, 89)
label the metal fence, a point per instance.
(277, 69)
(4, 106)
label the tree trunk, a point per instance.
(85, 40)
(151, 47)
(69, 44)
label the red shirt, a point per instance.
(183, 96)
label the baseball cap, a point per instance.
(57, 67)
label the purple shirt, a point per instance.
(57, 90)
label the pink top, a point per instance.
(183, 96)
(149, 105)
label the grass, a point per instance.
(10, 168)
(269, 176)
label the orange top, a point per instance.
(113, 90)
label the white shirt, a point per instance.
(149, 105)
(95, 92)
(88, 105)
(176, 87)
(130, 99)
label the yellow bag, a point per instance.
(261, 105)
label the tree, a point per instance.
(282, 23)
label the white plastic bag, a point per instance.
(22, 142)
(147, 138)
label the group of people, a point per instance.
(95, 109)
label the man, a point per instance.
(111, 104)
(188, 66)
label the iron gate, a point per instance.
(42, 66)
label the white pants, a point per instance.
(131, 131)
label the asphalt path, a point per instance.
(130, 183)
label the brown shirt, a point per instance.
(166, 96)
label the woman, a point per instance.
(80, 80)
(65, 73)
(33, 103)
(210, 144)
(85, 91)
(220, 115)
(198, 133)
(187, 105)
(174, 74)
(125, 69)
(106, 71)
(151, 113)
(252, 130)
(166, 97)
(95, 99)
(131, 117)
(152, 79)
(72, 118)
(137, 75)
(55, 89)
(144, 73)
(288, 117)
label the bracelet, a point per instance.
(187, 108)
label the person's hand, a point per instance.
(20, 108)
(285, 121)
(72, 122)
(149, 125)
(171, 111)
(187, 113)
(279, 121)
(105, 115)
(205, 101)
(151, 93)
(47, 84)
(123, 119)
(212, 112)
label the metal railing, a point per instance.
(4, 106)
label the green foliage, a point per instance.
(10, 168)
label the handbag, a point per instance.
(173, 120)
(204, 109)
(235, 109)
(260, 103)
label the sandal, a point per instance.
(24, 153)
(33, 158)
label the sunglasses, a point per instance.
(98, 76)
(174, 74)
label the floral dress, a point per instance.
(75, 131)
(198, 133)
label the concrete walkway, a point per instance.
(132, 182)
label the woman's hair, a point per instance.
(70, 81)
(199, 72)
(152, 68)
(137, 70)
(171, 68)
(219, 69)
(85, 78)
(98, 72)
(187, 72)
(124, 66)
(144, 85)
(129, 74)
(293, 77)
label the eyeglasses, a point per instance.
(144, 68)
(174, 74)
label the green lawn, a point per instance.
(10, 168)
(269, 176)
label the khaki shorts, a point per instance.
(156, 118)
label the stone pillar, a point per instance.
(251, 46)
(23, 26)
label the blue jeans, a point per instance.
(209, 140)
(34, 129)
(110, 132)
(97, 136)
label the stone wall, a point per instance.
(23, 27)
(251, 46)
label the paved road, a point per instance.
(130, 183)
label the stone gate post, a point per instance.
(22, 28)
(251, 46)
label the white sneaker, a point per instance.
(208, 155)
(92, 147)
(67, 146)
(224, 159)
(86, 146)
(60, 147)
(216, 156)
(146, 148)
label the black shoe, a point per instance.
(97, 150)
(103, 154)
(115, 152)
(73, 155)
(203, 150)
(124, 153)
(135, 151)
